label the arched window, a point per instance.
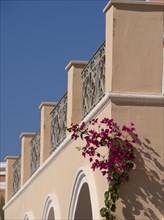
(83, 208)
(83, 205)
(28, 216)
(51, 214)
(51, 210)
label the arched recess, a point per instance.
(84, 202)
(28, 216)
(51, 209)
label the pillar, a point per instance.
(74, 108)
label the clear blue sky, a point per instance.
(38, 39)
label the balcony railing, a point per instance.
(58, 123)
(16, 175)
(93, 81)
(35, 153)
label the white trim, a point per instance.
(53, 104)
(137, 97)
(75, 62)
(28, 216)
(2, 185)
(84, 176)
(146, 3)
(27, 134)
(51, 202)
(10, 157)
(78, 183)
(123, 97)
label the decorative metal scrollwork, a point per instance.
(93, 81)
(58, 123)
(16, 175)
(35, 152)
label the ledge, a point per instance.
(113, 2)
(11, 157)
(27, 134)
(137, 97)
(47, 104)
(75, 62)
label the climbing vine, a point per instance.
(115, 161)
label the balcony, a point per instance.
(93, 89)
(58, 123)
(93, 81)
(35, 152)
(16, 175)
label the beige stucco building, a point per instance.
(124, 80)
(2, 188)
(2, 178)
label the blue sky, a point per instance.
(38, 39)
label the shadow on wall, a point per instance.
(144, 193)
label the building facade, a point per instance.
(124, 81)
(2, 188)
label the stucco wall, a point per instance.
(58, 179)
(134, 46)
(142, 197)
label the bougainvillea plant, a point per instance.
(111, 150)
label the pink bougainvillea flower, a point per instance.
(118, 158)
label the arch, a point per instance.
(84, 182)
(51, 209)
(51, 214)
(28, 216)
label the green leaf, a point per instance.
(81, 135)
(98, 155)
(116, 176)
(130, 163)
(107, 215)
(116, 188)
(107, 203)
(112, 217)
(113, 207)
(110, 188)
(106, 195)
(78, 148)
(102, 143)
(114, 197)
(103, 212)
(69, 129)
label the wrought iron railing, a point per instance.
(35, 152)
(16, 175)
(93, 81)
(58, 123)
